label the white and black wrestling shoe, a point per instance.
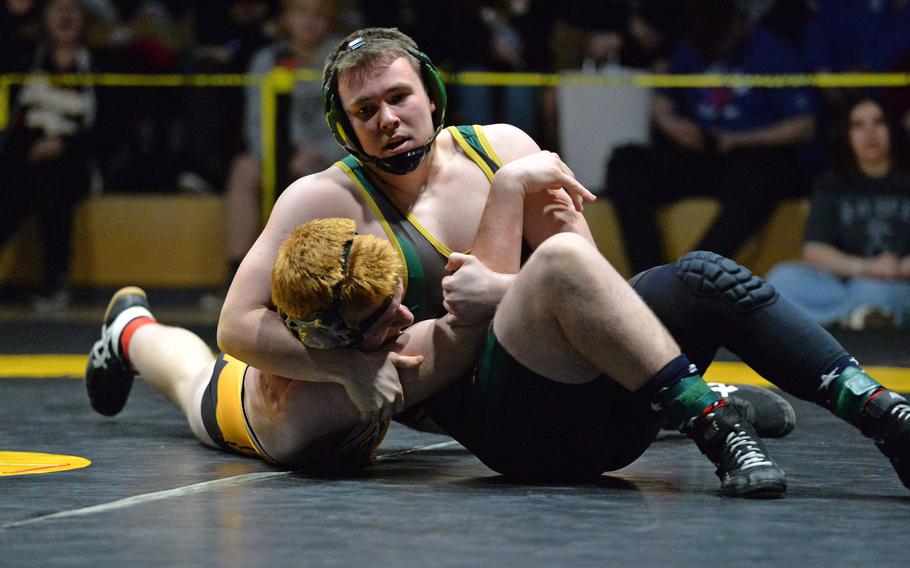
(108, 376)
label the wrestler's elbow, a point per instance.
(224, 337)
(228, 335)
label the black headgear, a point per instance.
(343, 132)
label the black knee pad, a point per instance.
(708, 274)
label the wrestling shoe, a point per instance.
(743, 465)
(770, 414)
(886, 419)
(108, 377)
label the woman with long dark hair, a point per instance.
(855, 269)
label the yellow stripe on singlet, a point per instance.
(471, 152)
(487, 147)
(437, 244)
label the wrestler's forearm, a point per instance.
(448, 352)
(498, 241)
(260, 339)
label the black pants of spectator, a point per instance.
(747, 182)
(50, 190)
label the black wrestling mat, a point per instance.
(154, 496)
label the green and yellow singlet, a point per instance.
(423, 255)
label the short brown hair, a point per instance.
(383, 46)
(310, 264)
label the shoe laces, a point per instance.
(901, 412)
(102, 352)
(744, 449)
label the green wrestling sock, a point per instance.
(687, 399)
(678, 392)
(847, 389)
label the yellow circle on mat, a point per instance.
(24, 463)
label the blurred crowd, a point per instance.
(747, 147)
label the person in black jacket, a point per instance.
(48, 150)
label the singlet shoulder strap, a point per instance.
(388, 210)
(352, 168)
(475, 145)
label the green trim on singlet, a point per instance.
(417, 299)
(476, 146)
(437, 244)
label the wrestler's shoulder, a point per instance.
(329, 180)
(328, 193)
(509, 142)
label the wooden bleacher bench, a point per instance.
(683, 223)
(177, 241)
(174, 241)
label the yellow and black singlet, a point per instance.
(423, 255)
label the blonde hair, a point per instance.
(310, 264)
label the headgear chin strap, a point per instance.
(399, 164)
(341, 128)
(326, 329)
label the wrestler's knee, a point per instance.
(565, 250)
(707, 274)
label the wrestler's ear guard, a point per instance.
(337, 119)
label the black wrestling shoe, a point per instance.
(770, 414)
(886, 419)
(743, 465)
(108, 377)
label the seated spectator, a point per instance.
(740, 145)
(225, 35)
(305, 145)
(855, 269)
(48, 149)
(138, 134)
(503, 36)
(858, 37)
(637, 34)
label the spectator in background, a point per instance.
(20, 25)
(48, 149)
(630, 34)
(858, 36)
(899, 98)
(856, 257)
(138, 135)
(508, 36)
(225, 35)
(740, 145)
(304, 145)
